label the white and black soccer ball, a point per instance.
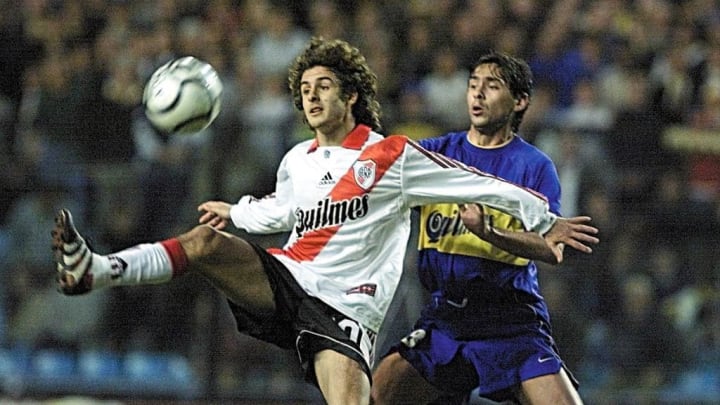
(183, 96)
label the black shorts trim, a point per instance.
(300, 321)
(320, 342)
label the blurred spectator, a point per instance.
(568, 320)
(527, 16)
(373, 37)
(671, 86)
(61, 104)
(581, 62)
(414, 52)
(708, 85)
(590, 119)
(278, 42)
(7, 124)
(705, 343)
(666, 268)
(634, 144)
(194, 37)
(436, 13)
(18, 50)
(646, 360)
(699, 226)
(512, 40)
(541, 116)
(35, 311)
(227, 129)
(326, 19)
(119, 92)
(20, 174)
(412, 113)
(672, 193)
(471, 39)
(614, 82)
(587, 113)
(598, 275)
(561, 59)
(578, 166)
(655, 26)
(370, 28)
(444, 90)
(268, 121)
(40, 320)
(52, 136)
(167, 165)
(704, 157)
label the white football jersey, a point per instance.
(348, 210)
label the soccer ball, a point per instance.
(183, 96)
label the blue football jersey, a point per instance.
(450, 256)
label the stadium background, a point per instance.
(627, 104)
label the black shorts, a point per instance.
(301, 321)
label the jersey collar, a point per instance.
(354, 140)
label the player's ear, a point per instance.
(352, 99)
(522, 102)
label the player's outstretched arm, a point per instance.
(574, 232)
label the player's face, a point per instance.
(323, 106)
(490, 103)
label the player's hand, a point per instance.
(216, 214)
(574, 232)
(475, 219)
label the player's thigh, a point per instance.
(231, 264)
(397, 382)
(555, 389)
(341, 379)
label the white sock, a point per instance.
(147, 263)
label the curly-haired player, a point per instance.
(345, 198)
(350, 68)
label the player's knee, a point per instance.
(201, 242)
(383, 387)
(383, 392)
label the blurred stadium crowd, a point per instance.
(627, 104)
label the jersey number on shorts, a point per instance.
(352, 329)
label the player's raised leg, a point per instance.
(228, 262)
(231, 264)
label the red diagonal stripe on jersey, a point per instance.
(311, 243)
(384, 154)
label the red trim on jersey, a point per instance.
(311, 244)
(354, 140)
(177, 255)
(384, 153)
(445, 162)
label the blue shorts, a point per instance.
(495, 365)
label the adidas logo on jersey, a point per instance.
(327, 180)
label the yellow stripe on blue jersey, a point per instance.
(442, 229)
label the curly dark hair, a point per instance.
(352, 70)
(516, 73)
